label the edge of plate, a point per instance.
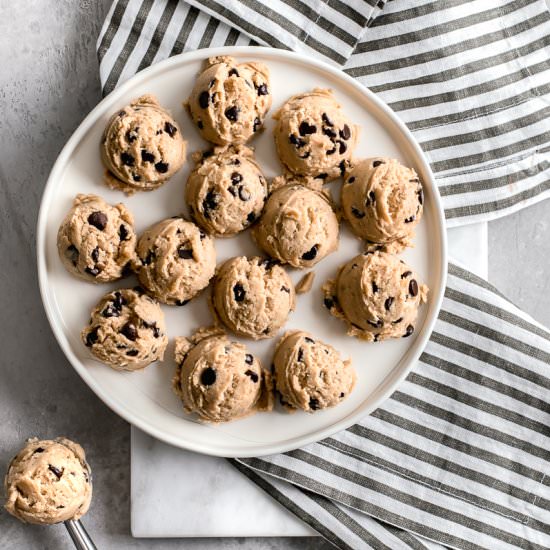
(390, 383)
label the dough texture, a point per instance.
(314, 138)
(252, 296)
(126, 330)
(218, 379)
(377, 295)
(97, 241)
(48, 482)
(309, 374)
(226, 191)
(382, 200)
(298, 226)
(230, 100)
(177, 260)
(142, 146)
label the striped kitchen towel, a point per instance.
(458, 456)
(470, 78)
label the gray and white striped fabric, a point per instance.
(458, 456)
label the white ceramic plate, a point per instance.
(145, 398)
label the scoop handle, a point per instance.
(79, 535)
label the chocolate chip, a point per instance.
(170, 129)
(121, 113)
(73, 254)
(388, 303)
(306, 129)
(397, 321)
(232, 113)
(253, 376)
(322, 176)
(206, 154)
(411, 219)
(132, 352)
(98, 220)
(93, 271)
(327, 120)
(120, 301)
(306, 155)
(342, 167)
(309, 340)
(162, 167)
(251, 217)
(377, 163)
(257, 124)
(244, 195)
(204, 99)
(413, 287)
(374, 287)
(343, 147)
(146, 156)
(421, 196)
(185, 253)
(342, 394)
(123, 232)
(357, 213)
(332, 151)
(329, 303)
(311, 253)
(314, 404)
(236, 178)
(295, 140)
(351, 180)
(330, 133)
(408, 331)
(212, 82)
(127, 159)
(200, 124)
(406, 274)
(156, 332)
(91, 338)
(262, 90)
(95, 254)
(248, 359)
(136, 177)
(158, 132)
(210, 202)
(345, 132)
(233, 190)
(239, 292)
(285, 289)
(233, 72)
(208, 376)
(371, 199)
(132, 135)
(300, 355)
(181, 303)
(39, 450)
(376, 324)
(56, 471)
(130, 331)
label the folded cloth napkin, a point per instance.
(458, 455)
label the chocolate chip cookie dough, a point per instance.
(218, 379)
(309, 374)
(252, 296)
(49, 481)
(382, 200)
(230, 100)
(226, 191)
(97, 241)
(377, 295)
(298, 226)
(142, 146)
(177, 260)
(126, 330)
(313, 136)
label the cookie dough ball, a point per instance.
(309, 374)
(142, 146)
(226, 191)
(313, 136)
(97, 241)
(298, 226)
(230, 100)
(220, 380)
(382, 200)
(48, 482)
(377, 295)
(177, 260)
(252, 296)
(126, 330)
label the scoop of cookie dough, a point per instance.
(226, 191)
(126, 330)
(97, 241)
(298, 226)
(177, 260)
(313, 136)
(252, 296)
(377, 295)
(230, 100)
(218, 379)
(142, 146)
(382, 200)
(48, 482)
(309, 374)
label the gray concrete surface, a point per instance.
(48, 83)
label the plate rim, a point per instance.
(260, 449)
